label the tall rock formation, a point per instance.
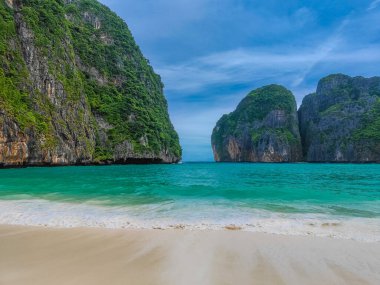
(263, 128)
(75, 88)
(341, 121)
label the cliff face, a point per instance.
(341, 121)
(263, 128)
(75, 88)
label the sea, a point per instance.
(322, 200)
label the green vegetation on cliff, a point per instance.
(371, 124)
(264, 127)
(263, 100)
(91, 53)
(255, 107)
(341, 121)
(14, 97)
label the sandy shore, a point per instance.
(99, 256)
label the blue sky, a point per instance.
(211, 53)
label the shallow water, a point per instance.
(338, 200)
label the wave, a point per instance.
(190, 216)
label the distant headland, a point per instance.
(340, 122)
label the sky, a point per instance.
(211, 53)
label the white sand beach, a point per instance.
(33, 255)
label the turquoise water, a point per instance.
(326, 199)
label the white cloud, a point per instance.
(373, 5)
(303, 16)
(322, 52)
(152, 19)
(244, 66)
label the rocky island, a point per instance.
(263, 128)
(341, 121)
(76, 89)
(338, 123)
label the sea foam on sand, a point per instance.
(45, 213)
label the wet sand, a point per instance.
(101, 256)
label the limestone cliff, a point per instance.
(341, 121)
(75, 89)
(263, 128)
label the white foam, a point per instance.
(185, 216)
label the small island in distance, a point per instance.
(338, 123)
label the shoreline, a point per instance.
(136, 162)
(332, 235)
(67, 214)
(131, 162)
(35, 255)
